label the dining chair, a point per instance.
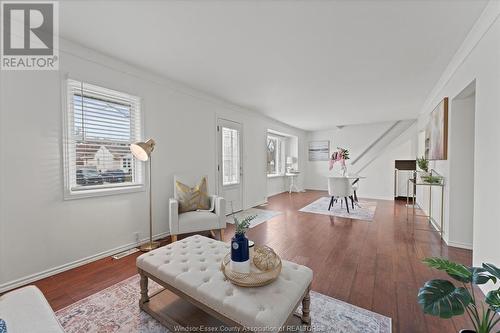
(340, 187)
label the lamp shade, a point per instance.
(142, 150)
(289, 160)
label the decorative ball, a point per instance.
(265, 258)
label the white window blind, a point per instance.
(101, 125)
(230, 156)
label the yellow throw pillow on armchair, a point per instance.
(192, 198)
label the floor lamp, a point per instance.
(142, 151)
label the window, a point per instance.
(275, 155)
(230, 156)
(101, 124)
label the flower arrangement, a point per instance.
(341, 155)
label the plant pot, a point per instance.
(467, 331)
(240, 254)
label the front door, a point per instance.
(230, 171)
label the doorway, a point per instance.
(229, 165)
(461, 164)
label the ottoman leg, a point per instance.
(144, 288)
(306, 302)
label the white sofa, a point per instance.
(198, 220)
(26, 310)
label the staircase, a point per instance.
(395, 134)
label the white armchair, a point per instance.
(197, 220)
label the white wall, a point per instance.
(40, 232)
(276, 185)
(379, 182)
(477, 59)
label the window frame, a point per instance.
(280, 158)
(69, 148)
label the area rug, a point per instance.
(261, 216)
(364, 212)
(116, 309)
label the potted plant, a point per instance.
(240, 255)
(423, 164)
(443, 299)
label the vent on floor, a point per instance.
(125, 253)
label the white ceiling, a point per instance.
(310, 64)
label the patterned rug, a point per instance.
(116, 309)
(365, 211)
(262, 215)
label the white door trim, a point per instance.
(218, 160)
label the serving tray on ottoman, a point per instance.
(189, 270)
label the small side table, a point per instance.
(291, 176)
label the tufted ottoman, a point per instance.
(190, 269)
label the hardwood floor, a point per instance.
(375, 265)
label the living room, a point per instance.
(294, 115)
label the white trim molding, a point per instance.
(59, 269)
(459, 245)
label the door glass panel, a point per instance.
(230, 156)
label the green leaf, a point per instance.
(493, 300)
(457, 271)
(492, 269)
(244, 224)
(481, 276)
(441, 298)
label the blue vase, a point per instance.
(239, 248)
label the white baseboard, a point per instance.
(272, 194)
(55, 270)
(459, 245)
(436, 227)
(258, 203)
(314, 188)
(448, 242)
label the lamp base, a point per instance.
(149, 246)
